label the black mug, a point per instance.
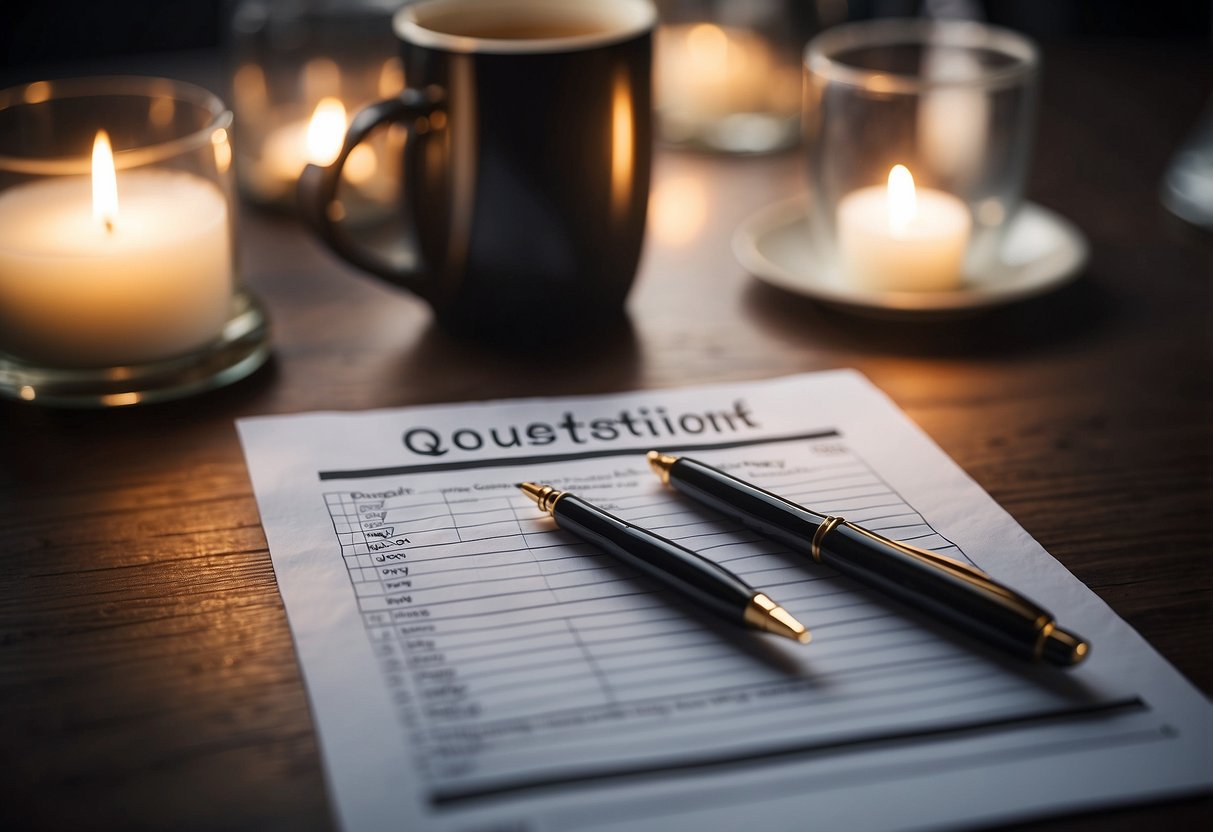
(526, 165)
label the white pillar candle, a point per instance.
(898, 238)
(89, 283)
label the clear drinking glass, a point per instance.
(952, 102)
(727, 73)
(118, 281)
(299, 70)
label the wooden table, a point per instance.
(147, 674)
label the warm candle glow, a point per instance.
(707, 44)
(678, 209)
(897, 237)
(391, 78)
(321, 79)
(84, 293)
(361, 165)
(105, 182)
(706, 74)
(325, 132)
(903, 200)
(250, 89)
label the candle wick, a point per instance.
(109, 226)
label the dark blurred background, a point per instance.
(34, 32)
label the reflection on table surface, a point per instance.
(150, 672)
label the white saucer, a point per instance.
(1040, 252)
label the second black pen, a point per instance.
(694, 576)
(952, 591)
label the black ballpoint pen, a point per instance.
(692, 575)
(948, 589)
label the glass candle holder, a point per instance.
(918, 136)
(299, 71)
(727, 73)
(118, 282)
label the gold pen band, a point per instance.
(828, 525)
(1042, 636)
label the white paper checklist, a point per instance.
(472, 667)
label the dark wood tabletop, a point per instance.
(147, 673)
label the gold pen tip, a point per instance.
(661, 464)
(764, 614)
(789, 627)
(544, 496)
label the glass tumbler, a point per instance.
(918, 135)
(118, 281)
(299, 70)
(727, 73)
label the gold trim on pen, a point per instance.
(964, 571)
(764, 614)
(828, 525)
(1076, 648)
(544, 495)
(1042, 635)
(1045, 625)
(1046, 641)
(661, 464)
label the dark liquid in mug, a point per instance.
(516, 31)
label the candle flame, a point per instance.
(325, 132)
(105, 182)
(903, 201)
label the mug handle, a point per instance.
(318, 186)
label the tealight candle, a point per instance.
(957, 98)
(121, 268)
(316, 140)
(899, 238)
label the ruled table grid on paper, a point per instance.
(470, 666)
(503, 640)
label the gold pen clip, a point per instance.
(961, 570)
(941, 561)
